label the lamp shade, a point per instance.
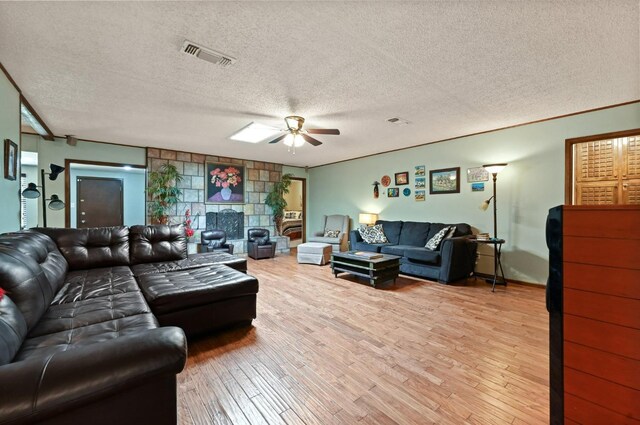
(55, 170)
(31, 191)
(55, 203)
(367, 218)
(494, 168)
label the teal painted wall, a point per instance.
(57, 151)
(9, 129)
(531, 184)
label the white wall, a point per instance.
(31, 172)
(133, 186)
(9, 129)
(294, 197)
(531, 184)
(58, 151)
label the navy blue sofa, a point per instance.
(454, 260)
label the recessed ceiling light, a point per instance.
(255, 133)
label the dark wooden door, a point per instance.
(99, 202)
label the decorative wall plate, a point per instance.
(406, 191)
(385, 180)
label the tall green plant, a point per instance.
(275, 200)
(163, 192)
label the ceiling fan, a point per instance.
(295, 136)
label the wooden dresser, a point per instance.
(601, 314)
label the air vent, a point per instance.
(217, 58)
(398, 121)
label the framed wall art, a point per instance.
(420, 195)
(10, 159)
(445, 180)
(477, 187)
(421, 182)
(393, 192)
(402, 178)
(419, 171)
(224, 183)
(477, 174)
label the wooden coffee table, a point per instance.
(375, 270)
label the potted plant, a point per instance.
(275, 199)
(163, 192)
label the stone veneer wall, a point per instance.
(259, 179)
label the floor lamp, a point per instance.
(494, 169)
(32, 192)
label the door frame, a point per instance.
(67, 181)
(304, 206)
(568, 156)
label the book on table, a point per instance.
(369, 255)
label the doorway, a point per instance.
(100, 202)
(131, 197)
(293, 223)
(603, 169)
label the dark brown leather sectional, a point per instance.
(93, 321)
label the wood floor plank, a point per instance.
(333, 351)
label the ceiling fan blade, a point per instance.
(311, 140)
(277, 139)
(333, 131)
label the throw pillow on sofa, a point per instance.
(373, 234)
(436, 240)
(331, 233)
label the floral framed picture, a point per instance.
(477, 174)
(402, 178)
(393, 192)
(445, 180)
(10, 159)
(224, 183)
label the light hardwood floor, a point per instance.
(337, 351)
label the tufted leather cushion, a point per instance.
(49, 344)
(74, 315)
(259, 236)
(92, 247)
(191, 262)
(178, 290)
(13, 330)
(25, 281)
(93, 283)
(158, 243)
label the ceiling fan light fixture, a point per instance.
(254, 133)
(294, 122)
(294, 140)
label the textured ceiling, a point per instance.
(113, 71)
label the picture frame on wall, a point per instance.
(420, 195)
(444, 180)
(477, 174)
(224, 183)
(10, 160)
(402, 178)
(419, 171)
(393, 192)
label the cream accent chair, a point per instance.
(333, 222)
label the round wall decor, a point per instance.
(385, 180)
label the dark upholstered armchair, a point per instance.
(214, 240)
(259, 245)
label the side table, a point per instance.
(497, 262)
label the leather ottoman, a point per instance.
(201, 299)
(314, 253)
